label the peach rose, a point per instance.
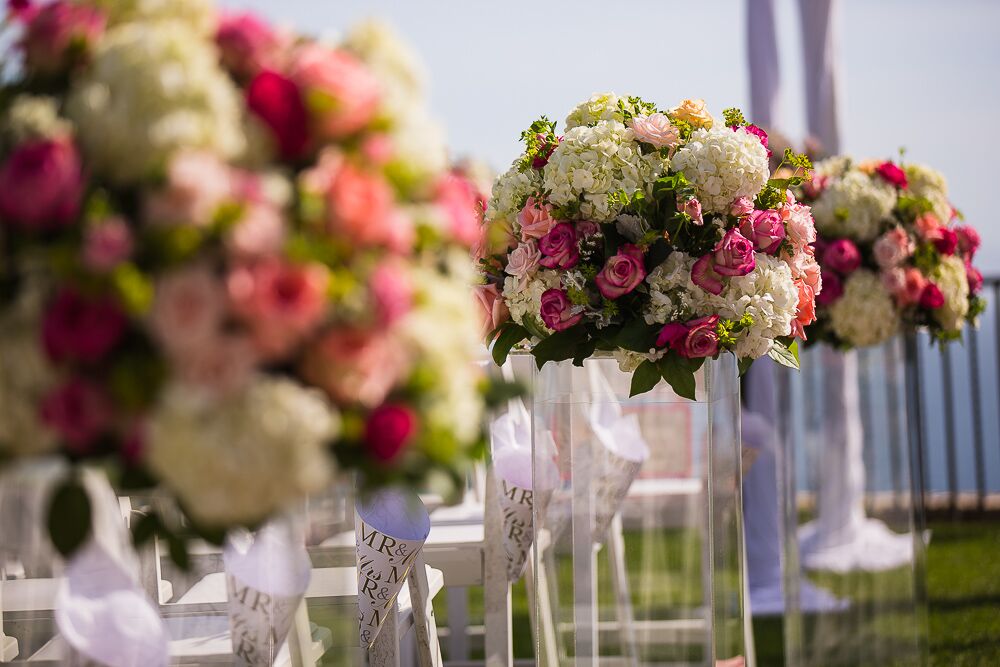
(927, 226)
(492, 306)
(535, 219)
(693, 112)
(356, 366)
(361, 207)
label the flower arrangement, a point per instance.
(654, 235)
(234, 260)
(891, 254)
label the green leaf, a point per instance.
(678, 375)
(69, 517)
(744, 365)
(584, 351)
(645, 377)
(510, 335)
(559, 346)
(636, 336)
(784, 355)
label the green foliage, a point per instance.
(733, 117)
(786, 356)
(635, 106)
(539, 139)
(69, 516)
(560, 346)
(679, 374)
(635, 335)
(645, 377)
(511, 333)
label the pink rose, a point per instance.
(893, 248)
(733, 255)
(81, 329)
(356, 366)
(247, 44)
(692, 207)
(362, 208)
(281, 302)
(842, 256)
(545, 152)
(741, 206)
(703, 275)
(693, 340)
(833, 289)
(523, 260)
(61, 34)
(815, 186)
(968, 240)
(259, 232)
(198, 183)
(556, 310)
(21, 10)
(389, 429)
(492, 307)
(188, 309)
(586, 228)
(535, 220)
(41, 185)
(80, 412)
(927, 226)
(799, 224)
(893, 280)
(622, 273)
(342, 93)
(892, 174)
(913, 286)
(558, 247)
(221, 364)
(757, 132)
(392, 292)
(946, 241)
(107, 244)
(277, 101)
(462, 205)
(975, 279)
(765, 229)
(672, 335)
(805, 313)
(655, 129)
(931, 297)
(377, 148)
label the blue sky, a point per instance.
(916, 73)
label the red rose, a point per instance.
(79, 412)
(278, 102)
(389, 429)
(975, 279)
(892, 174)
(931, 298)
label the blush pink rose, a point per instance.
(622, 273)
(927, 226)
(558, 247)
(342, 93)
(462, 205)
(259, 232)
(931, 297)
(278, 103)
(741, 206)
(362, 208)
(392, 291)
(842, 256)
(188, 308)
(388, 430)
(893, 280)
(655, 129)
(220, 365)
(893, 248)
(703, 275)
(107, 244)
(247, 44)
(523, 260)
(41, 185)
(733, 255)
(968, 241)
(692, 207)
(765, 229)
(535, 220)
(78, 328)
(556, 311)
(378, 148)
(833, 289)
(492, 307)
(281, 302)
(61, 34)
(198, 183)
(892, 174)
(356, 366)
(799, 224)
(80, 412)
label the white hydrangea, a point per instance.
(628, 360)
(671, 292)
(768, 294)
(154, 87)
(510, 188)
(931, 185)
(198, 14)
(600, 106)
(952, 280)
(866, 313)
(33, 117)
(419, 151)
(394, 63)
(854, 204)
(524, 297)
(592, 162)
(246, 456)
(723, 165)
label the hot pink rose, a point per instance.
(765, 228)
(558, 247)
(692, 207)
(799, 224)
(343, 93)
(492, 307)
(362, 208)
(672, 335)
(741, 206)
(535, 220)
(392, 292)
(198, 183)
(622, 273)
(946, 241)
(833, 289)
(702, 338)
(462, 205)
(975, 279)
(703, 275)
(221, 364)
(914, 283)
(931, 298)
(188, 308)
(356, 366)
(927, 226)
(968, 240)
(281, 302)
(81, 329)
(655, 129)
(259, 232)
(21, 10)
(523, 260)
(80, 412)
(759, 133)
(556, 310)
(842, 256)
(107, 244)
(893, 248)
(892, 174)
(733, 255)
(247, 44)
(60, 34)
(389, 430)
(41, 185)
(277, 101)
